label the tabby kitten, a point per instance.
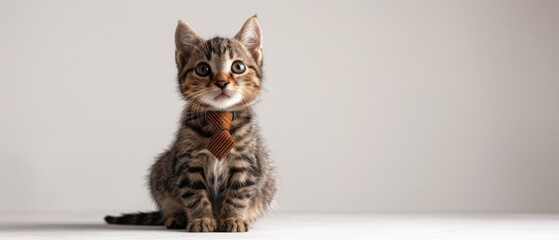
(192, 188)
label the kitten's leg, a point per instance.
(194, 192)
(173, 212)
(170, 205)
(236, 189)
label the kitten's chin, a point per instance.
(222, 102)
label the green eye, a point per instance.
(203, 69)
(238, 67)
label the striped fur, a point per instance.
(191, 188)
(148, 218)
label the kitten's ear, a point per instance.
(186, 40)
(251, 36)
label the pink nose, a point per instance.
(221, 84)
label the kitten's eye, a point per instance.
(238, 67)
(203, 69)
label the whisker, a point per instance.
(266, 89)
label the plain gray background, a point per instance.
(369, 106)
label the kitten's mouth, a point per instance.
(222, 96)
(222, 99)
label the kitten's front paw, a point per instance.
(202, 225)
(234, 225)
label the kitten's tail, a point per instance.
(141, 218)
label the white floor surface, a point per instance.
(298, 226)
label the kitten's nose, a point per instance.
(221, 84)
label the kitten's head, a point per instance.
(219, 73)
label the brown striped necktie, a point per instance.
(221, 142)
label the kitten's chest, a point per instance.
(215, 173)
